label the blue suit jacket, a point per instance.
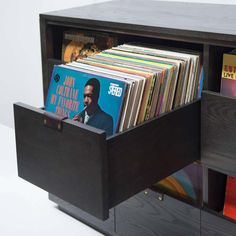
(100, 120)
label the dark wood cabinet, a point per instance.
(88, 175)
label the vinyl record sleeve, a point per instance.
(66, 96)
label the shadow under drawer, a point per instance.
(83, 167)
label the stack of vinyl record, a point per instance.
(136, 83)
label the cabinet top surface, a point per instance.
(195, 17)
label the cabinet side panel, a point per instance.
(218, 143)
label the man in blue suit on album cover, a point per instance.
(92, 114)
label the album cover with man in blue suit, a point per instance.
(86, 97)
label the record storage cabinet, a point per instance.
(105, 182)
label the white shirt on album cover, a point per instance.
(86, 117)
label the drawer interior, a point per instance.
(83, 167)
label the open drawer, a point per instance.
(218, 129)
(94, 173)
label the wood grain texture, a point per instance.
(218, 143)
(106, 227)
(216, 225)
(145, 215)
(150, 152)
(176, 20)
(72, 164)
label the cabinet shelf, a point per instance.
(212, 219)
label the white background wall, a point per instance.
(20, 55)
(20, 59)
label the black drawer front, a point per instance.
(145, 215)
(70, 163)
(216, 225)
(218, 142)
(82, 167)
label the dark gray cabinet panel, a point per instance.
(145, 215)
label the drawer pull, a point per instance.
(53, 120)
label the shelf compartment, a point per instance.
(214, 223)
(83, 167)
(212, 219)
(214, 190)
(54, 37)
(213, 59)
(150, 213)
(218, 128)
